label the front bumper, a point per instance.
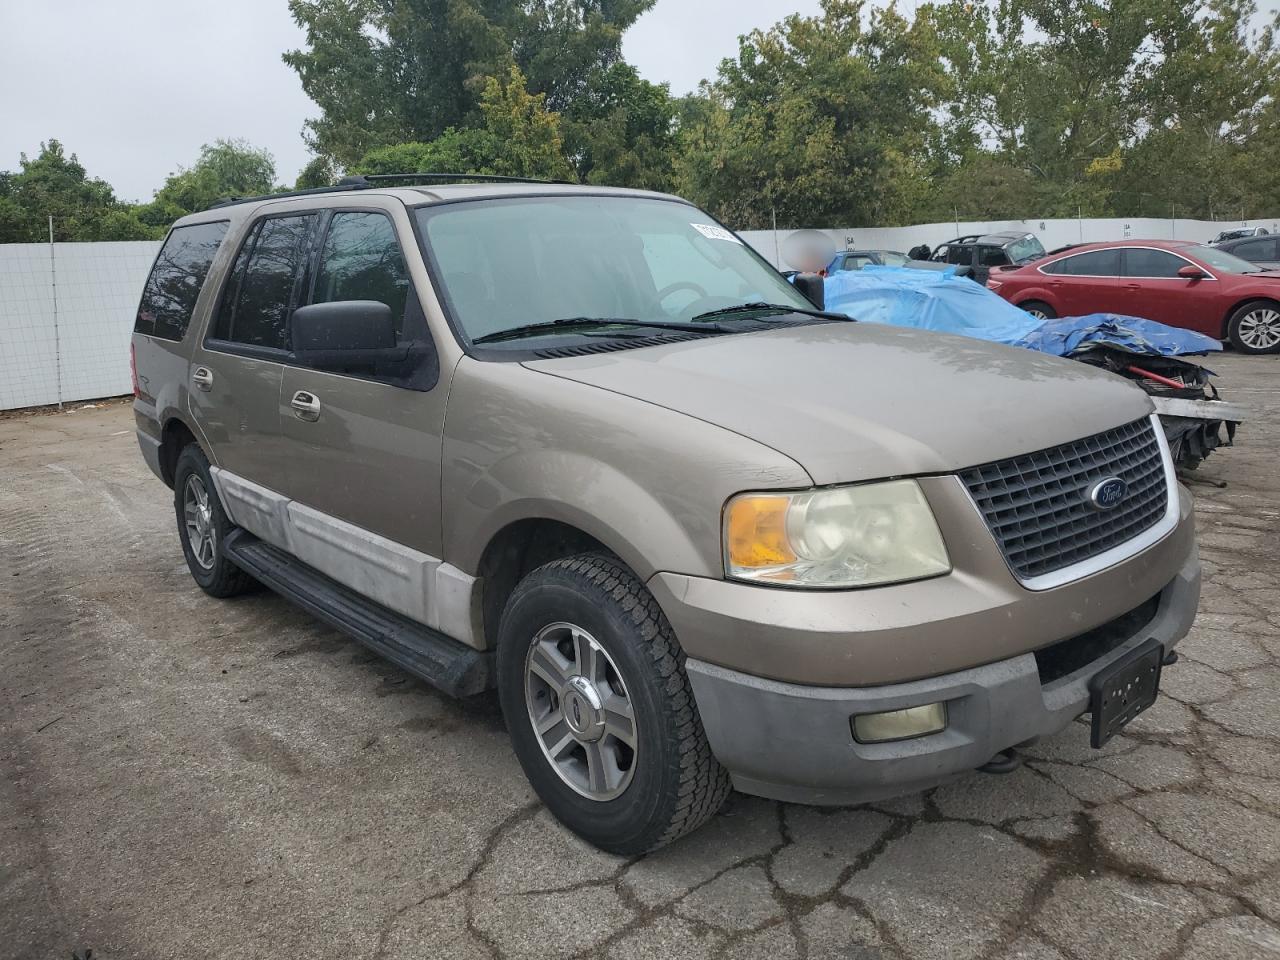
(794, 742)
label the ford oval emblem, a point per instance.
(1107, 494)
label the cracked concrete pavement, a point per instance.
(188, 777)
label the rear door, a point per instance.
(988, 256)
(236, 370)
(363, 445)
(1156, 292)
(1087, 283)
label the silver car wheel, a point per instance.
(580, 711)
(1260, 328)
(198, 517)
(1038, 314)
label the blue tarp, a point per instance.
(939, 300)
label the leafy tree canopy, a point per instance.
(55, 184)
(225, 168)
(390, 71)
(519, 137)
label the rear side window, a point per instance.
(960, 255)
(361, 260)
(263, 287)
(1096, 263)
(174, 285)
(1151, 263)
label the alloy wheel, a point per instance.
(1260, 328)
(580, 710)
(198, 518)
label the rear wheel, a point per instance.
(203, 527)
(1039, 309)
(599, 708)
(1255, 327)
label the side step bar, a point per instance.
(441, 661)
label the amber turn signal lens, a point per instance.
(756, 532)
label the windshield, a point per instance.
(509, 263)
(1221, 260)
(1028, 248)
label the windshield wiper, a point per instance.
(759, 306)
(532, 329)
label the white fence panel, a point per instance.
(65, 319)
(1052, 233)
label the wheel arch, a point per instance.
(516, 550)
(1231, 310)
(175, 435)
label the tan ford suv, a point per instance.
(585, 447)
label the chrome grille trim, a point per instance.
(1034, 504)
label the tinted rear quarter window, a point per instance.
(1095, 263)
(173, 287)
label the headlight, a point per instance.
(852, 536)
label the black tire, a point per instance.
(1239, 315)
(675, 783)
(1040, 307)
(217, 576)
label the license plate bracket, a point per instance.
(1123, 690)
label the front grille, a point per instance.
(1038, 507)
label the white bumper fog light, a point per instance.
(900, 724)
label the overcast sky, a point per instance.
(135, 87)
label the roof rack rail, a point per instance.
(346, 183)
(451, 177)
(372, 180)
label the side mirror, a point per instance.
(813, 287)
(1191, 272)
(345, 334)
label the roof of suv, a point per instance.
(996, 239)
(416, 196)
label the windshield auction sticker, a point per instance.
(714, 233)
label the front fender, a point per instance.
(648, 482)
(592, 496)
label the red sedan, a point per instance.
(1182, 284)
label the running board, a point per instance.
(441, 661)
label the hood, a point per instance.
(861, 401)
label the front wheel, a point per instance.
(1255, 327)
(599, 709)
(1039, 309)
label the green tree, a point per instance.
(1206, 102)
(319, 172)
(1108, 106)
(390, 71)
(622, 131)
(824, 119)
(55, 184)
(519, 138)
(225, 168)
